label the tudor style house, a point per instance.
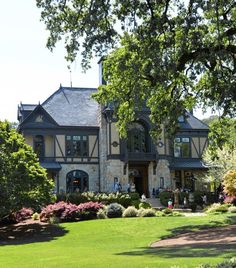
(78, 144)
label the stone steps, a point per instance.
(155, 203)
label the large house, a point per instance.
(77, 141)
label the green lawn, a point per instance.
(120, 242)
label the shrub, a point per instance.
(88, 211)
(78, 198)
(167, 211)
(227, 264)
(35, 216)
(101, 214)
(23, 214)
(217, 208)
(144, 205)
(62, 210)
(130, 212)
(114, 210)
(135, 203)
(134, 196)
(164, 197)
(232, 209)
(230, 200)
(229, 182)
(147, 212)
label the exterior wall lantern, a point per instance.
(108, 113)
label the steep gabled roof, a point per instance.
(38, 118)
(73, 107)
(192, 123)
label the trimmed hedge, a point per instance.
(106, 198)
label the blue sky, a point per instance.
(29, 72)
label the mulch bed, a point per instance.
(29, 231)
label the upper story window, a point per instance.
(39, 145)
(77, 146)
(137, 138)
(182, 147)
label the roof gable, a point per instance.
(39, 118)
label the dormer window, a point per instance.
(181, 119)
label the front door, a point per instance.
(139, 176)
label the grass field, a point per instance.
(122, 242)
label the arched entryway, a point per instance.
(138, 174)
(77, 181)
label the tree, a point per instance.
(23, 183)
(229, 182)
(222, 132)
(171, 55)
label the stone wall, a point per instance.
(114, 169)
(162, 170)
(91, 169)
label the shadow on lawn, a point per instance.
(191, 228)
(201, 243)
(16, 234)
(191, 250)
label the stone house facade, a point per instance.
(77, 141)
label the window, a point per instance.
(77, 181)
(181, 119)
(182, 147)
(39, 146)
(77, 146)
(137, 138)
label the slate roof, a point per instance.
(51, 165)
(191, 122)
(73, 107)
(24, 110)
(187, 164)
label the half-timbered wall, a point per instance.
(49, 146)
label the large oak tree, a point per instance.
(170, 54)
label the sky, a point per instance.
(29, 72)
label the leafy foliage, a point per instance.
(66, 212)
(130, 212)
(222, 132)
(170, 55)
(114, 210)
(224, 160)
(229, 182)
(105, 198)
(23, 214)
(23, 182)
(149, 212)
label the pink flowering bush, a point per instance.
(61, 210)
(230, 200)
(23, 214)
(67, 212)
(88, 211)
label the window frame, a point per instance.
(182, 141)
(76, 143)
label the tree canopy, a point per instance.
(222, 133)
(23, 183)
(171, 54)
